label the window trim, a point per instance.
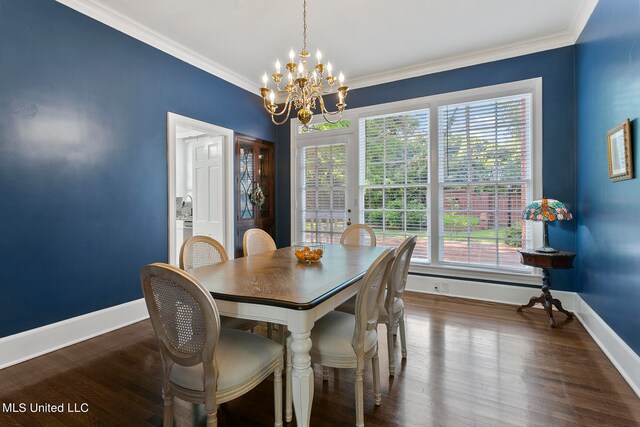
(432, 102)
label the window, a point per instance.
(454, 169)
(484, 163)
(324, 126)
(394, 178)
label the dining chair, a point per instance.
(256, 241)
(201, 362)
(198, 251)
(358, 234)
(392, 310)
(343, 340)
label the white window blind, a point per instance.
(394, 178)
(322, 191)
(485, 180)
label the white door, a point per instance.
(208, 187)
(325, 201)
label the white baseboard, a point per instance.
(36, 342)
(626, 361)
(484, 291)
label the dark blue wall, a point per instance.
(83, 158)
(608, 92)
(556, 67)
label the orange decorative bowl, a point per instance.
(308, 252)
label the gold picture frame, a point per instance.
(620, 154)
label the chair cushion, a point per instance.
(239, 356)
(331, 337)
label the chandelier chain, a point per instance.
(304, 31)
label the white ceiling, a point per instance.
(372, 41)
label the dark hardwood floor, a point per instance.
(470, 363)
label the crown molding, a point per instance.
(581, 19)
(108, 16)
(553, 41)
(114, 19)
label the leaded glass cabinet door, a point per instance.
(254, 187)
(245, 170)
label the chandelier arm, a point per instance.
(286, 117)
(274, 113)
(324, 110)
(332, 122)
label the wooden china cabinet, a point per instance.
(254, 171)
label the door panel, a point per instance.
(324, 196)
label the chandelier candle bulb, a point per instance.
(264, 80)
(341, 78)
(291, 55)
(277, 66)
(318, 55)
(329, 69)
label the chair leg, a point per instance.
(211, 408)
(325, 373)
(390, 349)
(403, 336)
(212, 418)
(375, 365)
(277, 395)
(167, 415)
(359, 398)
(288, 414)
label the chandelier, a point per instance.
(305, 86)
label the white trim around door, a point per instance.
(173, 121)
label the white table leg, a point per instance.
(302, 377)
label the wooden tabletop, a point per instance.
(277, 278)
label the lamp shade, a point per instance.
(546, 210)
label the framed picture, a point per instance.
(620, 155)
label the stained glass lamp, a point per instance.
(546, 210)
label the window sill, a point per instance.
(532, 277)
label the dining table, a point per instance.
(275, 287)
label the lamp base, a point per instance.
(547, 250)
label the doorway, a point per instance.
(200, 183)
